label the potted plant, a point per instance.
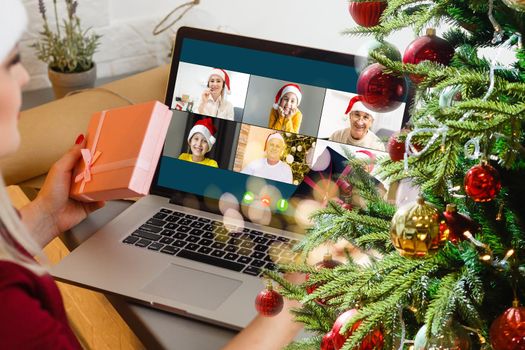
(68, 50)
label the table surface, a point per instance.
(156, 329)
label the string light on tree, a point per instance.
(457, 223)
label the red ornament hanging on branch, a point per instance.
(482, 183)
(428, 47)
(382, 92)
(269, 302)
(327, 263)
(456, 224)
(327, 343)
(366, 13)
(507, 332)
(372, 341)
(396, 148)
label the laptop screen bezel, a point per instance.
(211, 204)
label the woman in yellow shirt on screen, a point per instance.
(285, 114)
(200, 142)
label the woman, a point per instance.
(213, 100)
(358, 133)
(285, 114)
(32, 314)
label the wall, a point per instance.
(128, 44)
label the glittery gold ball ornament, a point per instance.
(518, 5)
(415, 229)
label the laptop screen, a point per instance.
(253, 117)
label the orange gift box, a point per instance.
(122, 151)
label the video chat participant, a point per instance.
(213, 100)
(358, 133)
(285, 114)
(271, 167)
(200, 141)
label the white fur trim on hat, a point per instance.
(355, 104)
(275, 135)
(295, 89)
(199, 128)
(13, 21)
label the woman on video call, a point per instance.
(213, 100)
(32, 314)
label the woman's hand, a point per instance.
(53, 212)
(206, 94)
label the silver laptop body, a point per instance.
(201, 290)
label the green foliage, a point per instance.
(68, 49)
(297, 146)
(471, 282)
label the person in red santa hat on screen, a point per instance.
(200, 141)
(285, 114)
(358, 133)
(213, 100)
(271, 167)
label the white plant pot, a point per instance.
(63, 83)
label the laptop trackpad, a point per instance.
(192, 286)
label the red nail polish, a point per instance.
(80, 139)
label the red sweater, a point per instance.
(32, 315)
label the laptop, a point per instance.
(197, 245)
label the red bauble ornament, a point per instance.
(381, 92)
(396, 148)
(372, 341)
(344, 186)
(482, 183)
(507, 332)
(366, 13)
(428, 48)
(456, 224)
(269, 302)
(326, 263)
(347, 206)
(327, 343)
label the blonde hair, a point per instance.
(17, 232)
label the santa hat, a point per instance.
(13, 21)
(286, 89)
(206, 128)
(356, 104)
(224, 76)
(274, 135)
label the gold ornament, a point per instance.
(518, 5)
(415, 229)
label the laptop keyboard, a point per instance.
(208, 241)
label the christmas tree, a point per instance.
(446, 271)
